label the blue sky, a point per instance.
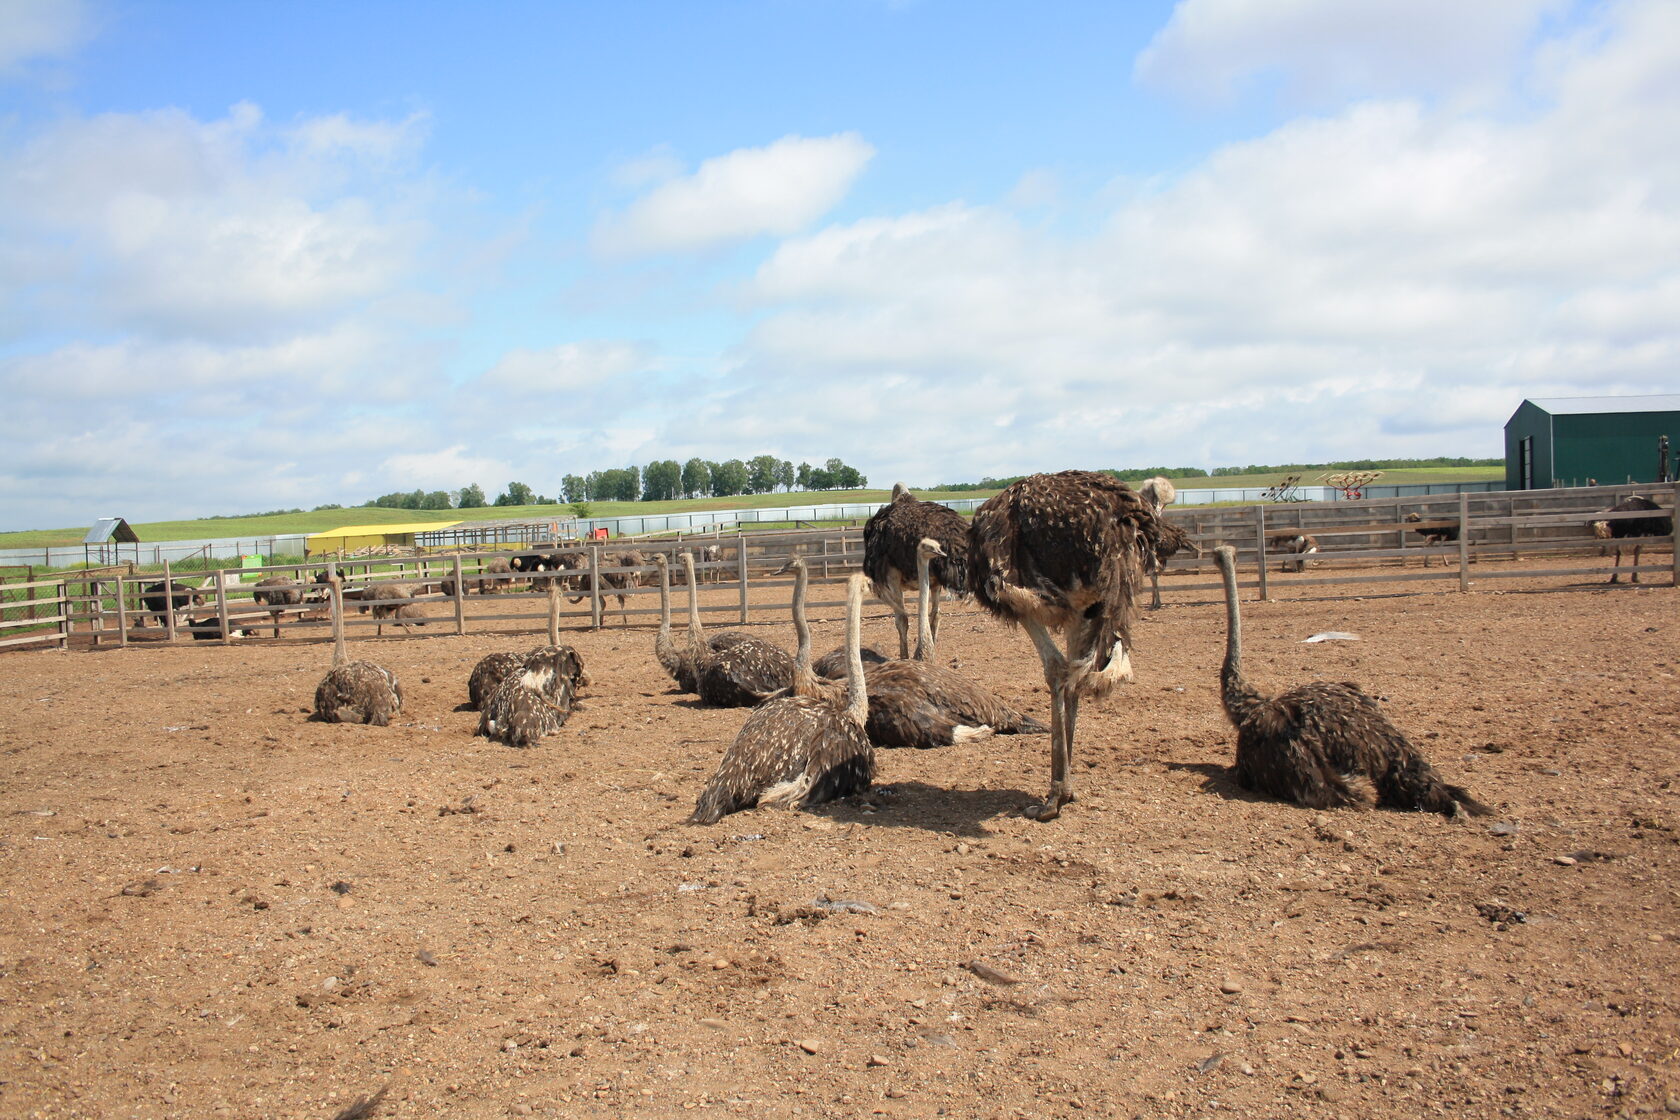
(262, 256)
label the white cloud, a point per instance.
(779, 189)
(449, 468)
(566, 368)
(1330, 48)
(33, 29)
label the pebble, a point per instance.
(875, 1061)
(1503, 828)
(810, 1045)
(715, 1024)
(1672, 1104)
(1231, 987)
(1564, 861)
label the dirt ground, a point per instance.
(213, 906)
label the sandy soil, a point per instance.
(212, 906)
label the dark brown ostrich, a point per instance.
(797, 751)
(1632, 529)
(354, 691)
(277, 592)
(377, 596)
(1323, 745)
(732, 669)
(1065, 552)
(1434, 535)
(920, 704)
(616, 573)
(890, 537)
(677, 659)
(177, 599)
(697, 637)
(1173, 541)
(1159, 492)
(832, 665)
(1296, 550)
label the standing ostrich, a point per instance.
(1440, 534)
(619, 580)
(920, 704)
(1173, 541)
(276, 592)
(378, 595)
(354, 691)
(890, 537)
(1323, 745)
(799, 750)
(1159, 492)
(1296, 549)
(1632, 528)
(1065, 552)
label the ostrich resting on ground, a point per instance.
(1065, 552)
(534, 697)
(1632, 528)
(1323, 745)
(354, 691)
(890, 537)
(799, 750)
(920, 704)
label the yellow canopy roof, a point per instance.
(331, 538)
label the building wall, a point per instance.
(1529, 421)
(1611, 447)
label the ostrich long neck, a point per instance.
(695, 638)
(553, 613)
(924, 629)
(1237, 695)
(857, 693)
(337, 589)
(804, 680)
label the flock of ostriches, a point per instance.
(1060, 555)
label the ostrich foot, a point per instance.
(1051, 807)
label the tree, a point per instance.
(784, 475)
(729, 478)
(803, 476)
(661, 481)
(575, 489)
(516, 494)
(821, 479)
(696, 478)
(761, 474)
(470, 497)
(437, 499)
(847, 478)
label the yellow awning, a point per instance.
(350, 537)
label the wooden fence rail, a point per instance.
(1359, 543)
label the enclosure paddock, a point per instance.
(215, 906)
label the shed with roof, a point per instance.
(1575, 441)
(349, 539)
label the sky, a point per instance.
(264, 256)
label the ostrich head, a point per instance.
(1414, 516)
(1600, 530)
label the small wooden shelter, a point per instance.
(103, 543)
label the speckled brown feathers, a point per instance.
(742, 674)
(488, 673)
(376, 596)
(358, 692)
(832, 665)
(534, 700)
(1323, 744)
(1173, 540)
(796, 751)
(890, 537)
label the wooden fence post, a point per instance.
(741, 570)
(122, 613)
(460, 599)
(1463, 541)
(1260, 547)
(594, 587)
(1674, 538)
(222, 603)
(64, 616)
(168, 602)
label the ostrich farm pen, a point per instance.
(217, 906)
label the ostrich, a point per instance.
(890, 538)
(1159, 492)
(354, 691)
(499, 568)
(1440, 534)
(277, 592)
(1323, 745)
(620, 579)
(378, 596)
(1626, 528)
(732, 669)
(1065, 551)
(1173, 541)
(1296, 549)
(799, 750)
(535, 698)
(677, 660)
(698, 637)
(488, 673)
(176, 599)
(920, 704)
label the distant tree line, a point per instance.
(1363, 465)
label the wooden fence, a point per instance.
(1359, 543)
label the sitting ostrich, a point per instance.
(1296, 550)
(890, 538)
(1632, 528)
(1323, 745)
(354, 691)
(491, 669)
(1173, 541)
(799, 750)
(535, 698)
(1439, 534)
(733, 669)
(916, 703)
(1065, 552)
(677, 659)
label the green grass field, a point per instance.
(291, 524)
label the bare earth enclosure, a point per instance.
(213, 906)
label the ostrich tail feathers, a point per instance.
(1462, 799)
(963, 734)
(789, 794)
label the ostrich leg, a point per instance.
(893, 593)
(933, 613)
(1063, 702)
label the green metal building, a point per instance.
(1571, 441)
